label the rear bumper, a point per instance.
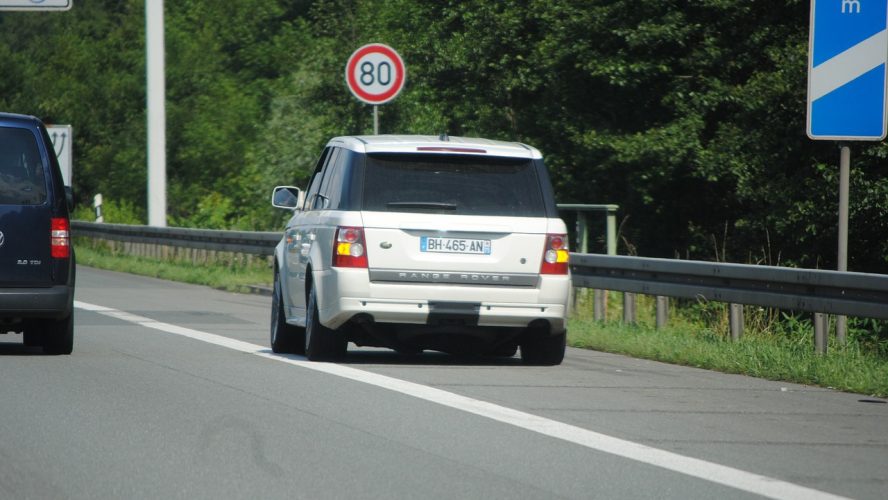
(51, 302)
(422, 312)
(346, 293)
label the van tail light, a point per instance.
(349, 247)
(60, 238)
(555, 255)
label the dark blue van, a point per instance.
(36, 258)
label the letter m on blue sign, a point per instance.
(847, 57)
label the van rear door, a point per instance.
(25, 213)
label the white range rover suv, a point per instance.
(421, 242)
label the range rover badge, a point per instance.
(386, 245)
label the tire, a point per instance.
(58, 336)
(32, 334)
(504, 351)
(284, 337)
(321, 343)
(544, 351)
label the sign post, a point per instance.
(156, 102)
(847, 91)
(375, 74)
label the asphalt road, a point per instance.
(172, 393)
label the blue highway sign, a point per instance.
(847, 59)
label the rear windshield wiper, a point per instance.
(430, 205)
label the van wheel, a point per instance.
(321, 342)
(285, 338)
(58, 336)
(544, 351)
(32, 334)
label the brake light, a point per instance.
(448, 149)
(60, 238)
(349, 247)
(555, 255)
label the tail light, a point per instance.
(555, 255)
(349, 247)
(60, 238)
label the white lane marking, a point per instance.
(720, 474)
(849, 65)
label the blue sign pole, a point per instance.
(847, 59)
(847, 89)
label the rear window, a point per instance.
(450, 184)
(22, 181)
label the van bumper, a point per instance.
(51, 302)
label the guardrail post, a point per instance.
(662, 311)
(612, 229)
(736, 321)
(629, 308)
(821, 332)
(611, 250)
(582, 230)
(599, 309)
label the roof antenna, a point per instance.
(443, 137)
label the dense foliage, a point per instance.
(688, 114)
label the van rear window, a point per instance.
(452, 184)
(22, 181)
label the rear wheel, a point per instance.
(505, 351)
(32, 334)
(285, 338)
(544, 351)
(321, 342)
(58, 335)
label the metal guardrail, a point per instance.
(247, 242)
(256, 242)
(820, 291)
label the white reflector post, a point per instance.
(156, 84)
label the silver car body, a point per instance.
(405, 280)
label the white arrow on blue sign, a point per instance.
(847, 59)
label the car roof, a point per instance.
(429, 144)
(19, 120)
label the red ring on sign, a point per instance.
(353, 83)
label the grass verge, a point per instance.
(224, 276)
(764, 355)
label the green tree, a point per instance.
(689, 114)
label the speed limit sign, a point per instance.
(375, 73)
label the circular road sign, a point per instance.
(375, 73)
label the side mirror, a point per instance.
(287, 197)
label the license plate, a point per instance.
(454, 245)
